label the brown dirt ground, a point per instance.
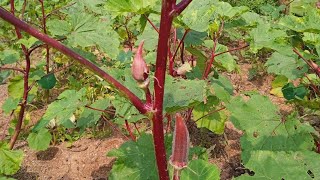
(87, 157)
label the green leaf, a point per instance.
(223, 82)
(39, 140)
(4, 76)
(28, 42)
(90, 117)
(150, 37)
(9, 105)
(201, 60)
(273, 146)
(308, 23)
(200, 170)
(283, 165)
(125, 111)
(180, 93)
(224, 9)
(287, 66)
(86, 30)
(225, 60)
(16, 86)
(48, 81)
(10, 160)
(136, 6)
(198, 15)
(62, 109)
(193, 38)
(291, 92)
(263, 36)
(9, 56)
(264, 129)
(204, 117)
(136, 160)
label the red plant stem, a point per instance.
(171, 61)
(13, 69)
(114, 127)
(44, 27)
(305, 60)
(96, 109)
(25, 84)
(68, 52)
(209, 63)
(160, 73)
(213, 55)
(212, 112)
(151, 23)
(231, 50)
(135, 125)
(180, 7)
(182, 53)
(168, 123)
(315, 88)
(133, 137)
(58, 9)
(41, 45)
(148, 97)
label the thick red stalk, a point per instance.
(161, 64)
(25, 85)
(67, 51)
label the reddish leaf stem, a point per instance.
(67, 51)
(133, 137)
(171, 61)
(151, 23)
(213, 55)
(135, 125)
(23, 104)
(13, 69)
(44, 27)
(180, 7)
(115, 127)
(231, 50)
(316, 71)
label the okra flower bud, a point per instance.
(180, 146)
(139, 68)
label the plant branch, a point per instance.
(180, 7)
(42, 44)
(67, 51)
(115, 127)
(13, 69)
(133, 137)
(213, 55)
(171, 61)
(231, 50)
(104, 111)
(44, 27)
(209, 113)
(23, 104)
(58, 9)
(316, 71)
(151, 23)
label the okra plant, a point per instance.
(163, 61)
